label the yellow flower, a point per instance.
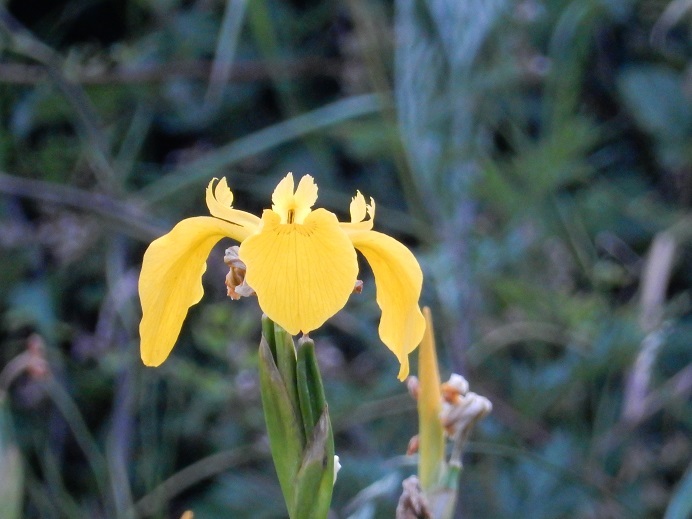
(301, 263)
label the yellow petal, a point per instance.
(302, 273)
(359, 210)
(283, 192)
(222, 192)
(398, 279)
(171, 281)
(219, 200)
(306, 193)
(294, 207)
(430, 432)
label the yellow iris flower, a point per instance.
(300, 262)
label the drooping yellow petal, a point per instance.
(219, 200)
(398, 279)
(171, 281)
(431, 434)
(302, 273)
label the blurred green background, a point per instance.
(535, 155)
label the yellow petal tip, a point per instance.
(403, 370)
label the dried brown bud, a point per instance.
(463, 412)
(413, 386)
(413, 445)
(236, 287)
(37, 366)
(454, 389)
(412, 503)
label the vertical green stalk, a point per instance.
(431, 434)
(310, 390)
(300, 432)
(315, 480)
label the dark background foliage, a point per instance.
(536, 156)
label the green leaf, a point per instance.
(268, 334)
(431, 452)
(286, 362)
(443, 498)
(655, 97)
(310, 390)
(315, 479)
(11, 469)
(283, 421)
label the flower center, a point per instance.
(292, 213)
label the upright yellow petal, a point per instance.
(431, 435)
(294, 207)
(219, 200)
(398, 279)
(171, 281)
(283, 192)
(306, 192)
(302, 273)
(359, 210)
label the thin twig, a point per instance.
(240, 72)
(129, 218)
(522, 331)
(12, 370)
(73, 417)
(192, 474)
(565, 471)
(654, 284)
(678, 387)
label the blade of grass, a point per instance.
(222, 67)
(200, 170)
(265, 34)
(133, 141)
(191, 475)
